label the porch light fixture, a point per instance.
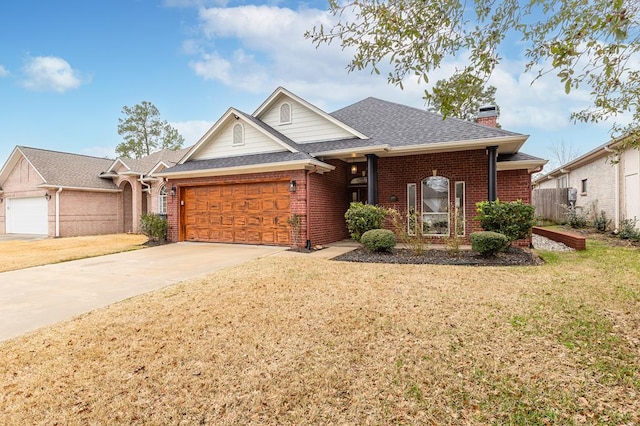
(354, 169)
(173, 191)
(47, 196)
(292, 186)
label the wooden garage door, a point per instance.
(249, 213)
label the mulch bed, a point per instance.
(515, 256)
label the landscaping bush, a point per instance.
(488, 243)
(378, 240)
(514, 220)
(408, 229)
(628, 230)
(154, 226)
(361, 218)
(576, 220)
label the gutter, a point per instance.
(58, 211)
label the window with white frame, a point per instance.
(162, 200)
(435, 206)
(285, 113)
(238, 134)
(412, 208)
(459, 213)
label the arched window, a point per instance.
(435, 206)
(162, 200)
(285, 113)
(238, 134)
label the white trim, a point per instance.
(463, 206)
(463, 145)
(235, 136)
(254, 168)
(75, 188)
(282, 105)
(415, 207)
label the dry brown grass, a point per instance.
(24, 254)
(282, 341)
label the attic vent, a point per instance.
(238, 134)
(285, 113)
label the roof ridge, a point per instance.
(64, 152)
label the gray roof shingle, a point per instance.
(69, 170)
(389, 123)
(241, 160)
(145, 164)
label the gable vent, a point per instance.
(285, 113)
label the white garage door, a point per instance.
(27, 216)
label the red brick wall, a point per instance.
(88, 213)
(471, 167)
(329, 202)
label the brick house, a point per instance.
(250, 173)
(62, 194)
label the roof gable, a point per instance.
(258, 138)
(308, 123)
(54, 168)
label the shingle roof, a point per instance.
(518, 156)
(69, 170)
(145, 164)
(388, 123)
(241, 160)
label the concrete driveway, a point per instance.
(35, 297)
(21, 237)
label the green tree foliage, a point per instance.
(592, 44)
(464, 108)
(144, 132)
(514, 219)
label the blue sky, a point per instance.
(67, 67)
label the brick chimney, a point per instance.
(488, 116)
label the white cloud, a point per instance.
(3, 71)
(50, 73)
(254, 49)
(192, 130)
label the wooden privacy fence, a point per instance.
(551, 203)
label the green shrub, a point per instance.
(488, 243)
(628, 230)
(154, 226)
(514, 220)
(361, 218)
(379, 240)
(576, 220)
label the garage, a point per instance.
(247, 213)
(27, 216)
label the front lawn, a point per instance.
(24, 254)
(286, 340)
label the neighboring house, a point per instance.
(62, 194)
(249, 174)
(604, 179)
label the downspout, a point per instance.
(148, 189)
(492, 190)
(308, 190)
(616, 195)
(58, 211)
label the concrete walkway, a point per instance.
(35, 297)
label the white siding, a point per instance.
(255, 142)
(305, 126)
